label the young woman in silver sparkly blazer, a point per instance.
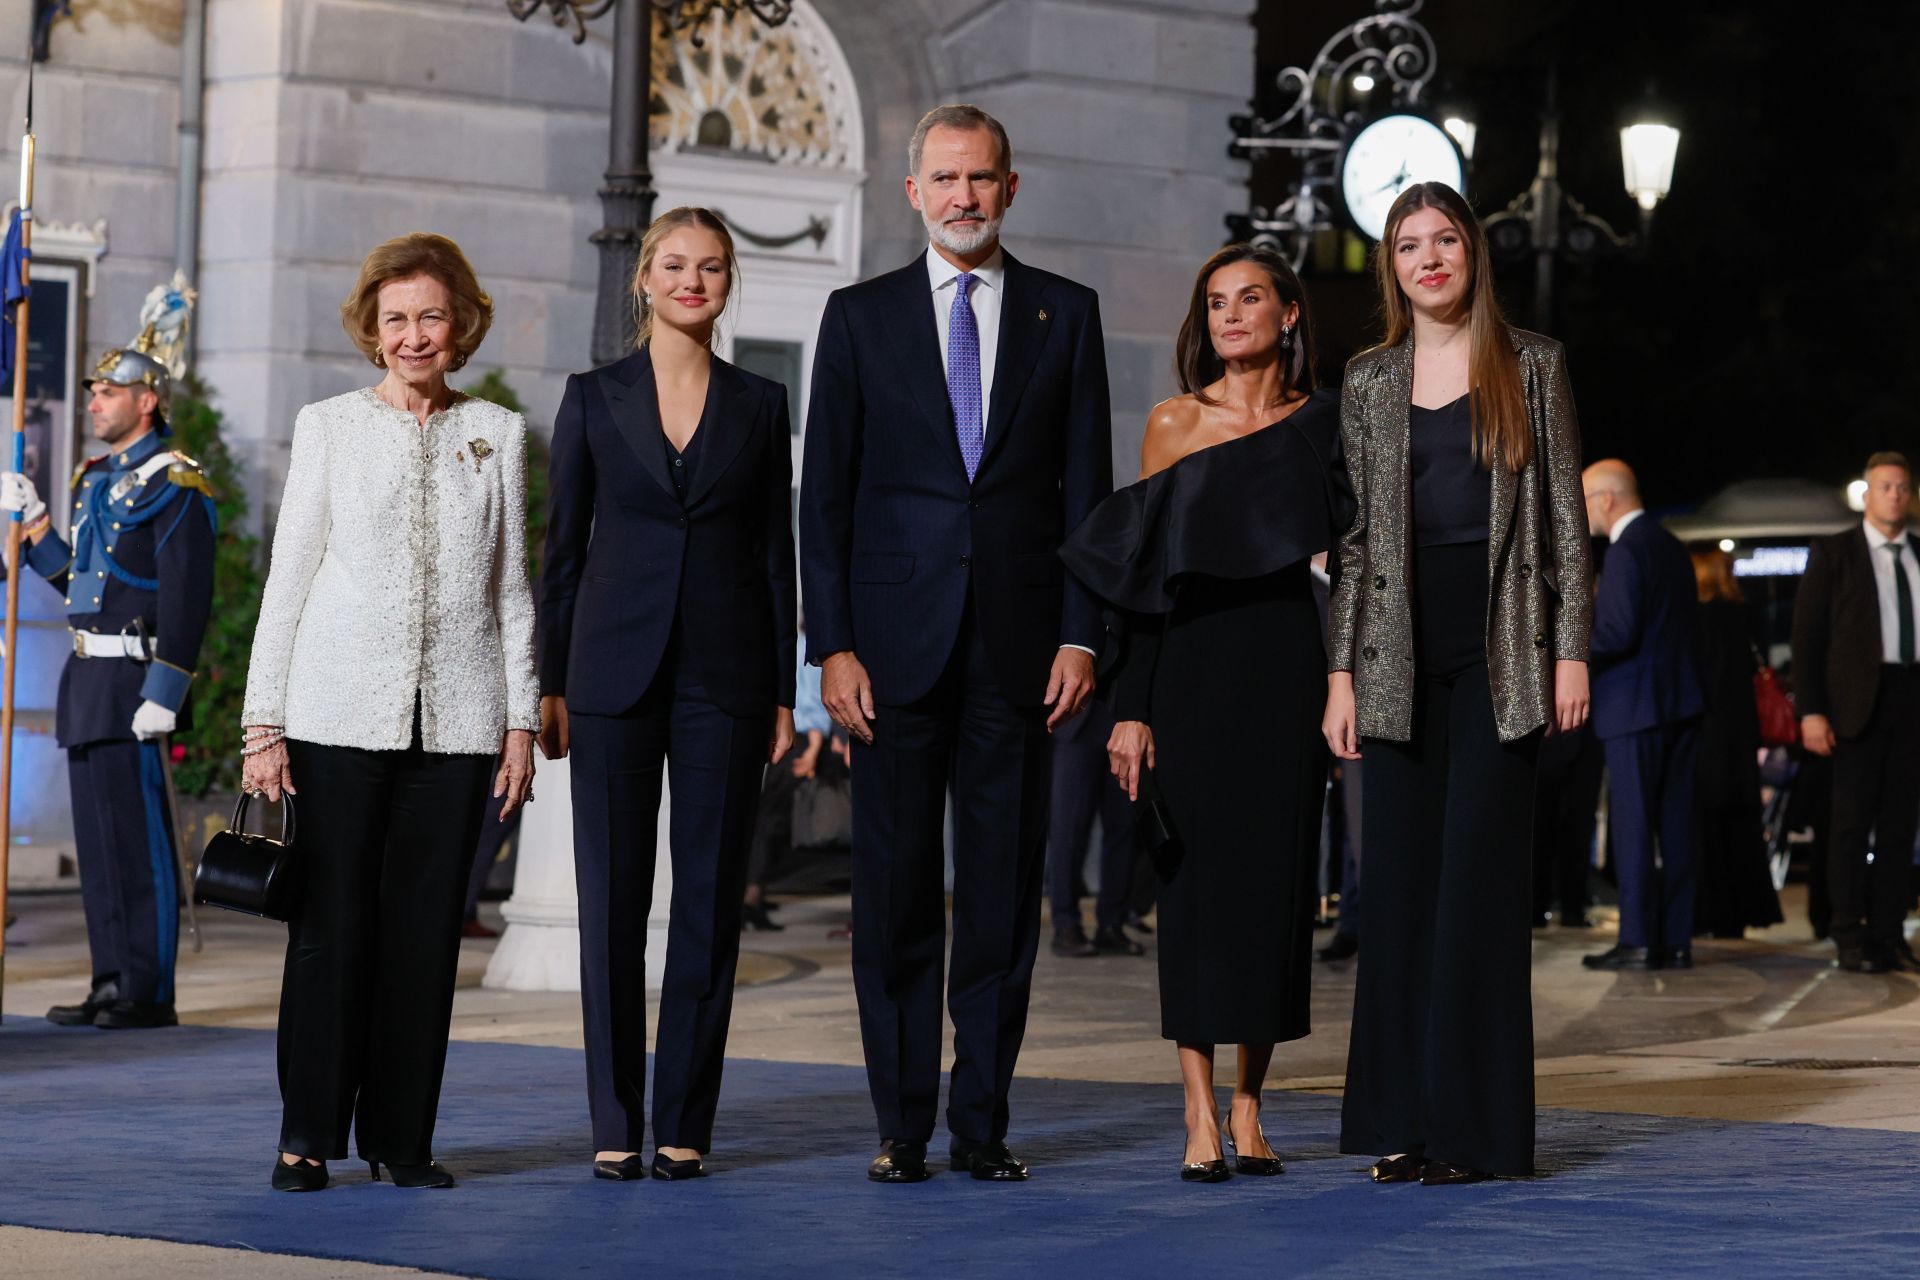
(1458, 632)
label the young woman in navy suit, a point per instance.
(666, 644)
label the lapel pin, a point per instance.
(1043, 313)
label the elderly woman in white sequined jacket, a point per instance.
(392, 668)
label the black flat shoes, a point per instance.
(1437, 1173)
(667, 1169)
(631, 1168)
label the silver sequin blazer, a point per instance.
(399, 564)
(1540, 604)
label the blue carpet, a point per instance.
(169, 1134)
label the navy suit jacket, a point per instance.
(1644, 654)
(626, 560)
(893, 536)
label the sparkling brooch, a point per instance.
(481, 450)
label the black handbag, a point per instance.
(249, 873)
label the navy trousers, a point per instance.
(1083, 785)
(964, 734)
(123, 841)
(1650, 796)
(713, 762)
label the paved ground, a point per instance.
(1752, 1034)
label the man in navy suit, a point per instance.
(1646, 713)
(959, 428)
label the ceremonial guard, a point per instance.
(138, 582)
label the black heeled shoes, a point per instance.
(299, 1176)
(667, 1169)
(429, 1175)
(1207, 1170)
(1252, 1166)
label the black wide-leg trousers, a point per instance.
(1441, 1059)
(964, 735)
(385, 840)
(713, 762)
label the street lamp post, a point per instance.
(627, 194)
(1545, 223)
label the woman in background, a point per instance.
(1736, 887)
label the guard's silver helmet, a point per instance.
(128, 367)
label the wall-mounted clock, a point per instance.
(1388, 156)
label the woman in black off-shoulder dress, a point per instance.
(1221, 683)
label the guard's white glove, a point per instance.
(152, 720)
(18, 494)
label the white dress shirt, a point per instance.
(989, 285)
(1620, 525)
(1877, 544)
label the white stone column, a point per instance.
(540, 950)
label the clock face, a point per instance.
(1387, 157)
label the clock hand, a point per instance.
(1395, 182)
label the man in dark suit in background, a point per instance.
(1646, 713)
(1854, 623)
(959, 428)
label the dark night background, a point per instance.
(1769, 330)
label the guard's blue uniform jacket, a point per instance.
(142, 553)
(140, 561)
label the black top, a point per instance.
(1452, 491)
(682, 462)
(1238, 510)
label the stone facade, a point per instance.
(332, 124)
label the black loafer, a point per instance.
(83, 1014)
(900, 1160)
(1115, 942)
(1397, 1169)
(1438, 1173)
(1631, 958)
(128, 1015)
(1678, 958)
(300, 1176)
(986, 1162)
(631, 1168)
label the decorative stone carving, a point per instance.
(781, 93)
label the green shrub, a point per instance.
(210, 751)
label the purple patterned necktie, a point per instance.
(963, 375)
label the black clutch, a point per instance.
(250, 873)
(1156, 826)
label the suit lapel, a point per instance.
(1022, 333)
(724, 420)
(916, 343)
(634, 402)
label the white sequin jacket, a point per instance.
(399, 564)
